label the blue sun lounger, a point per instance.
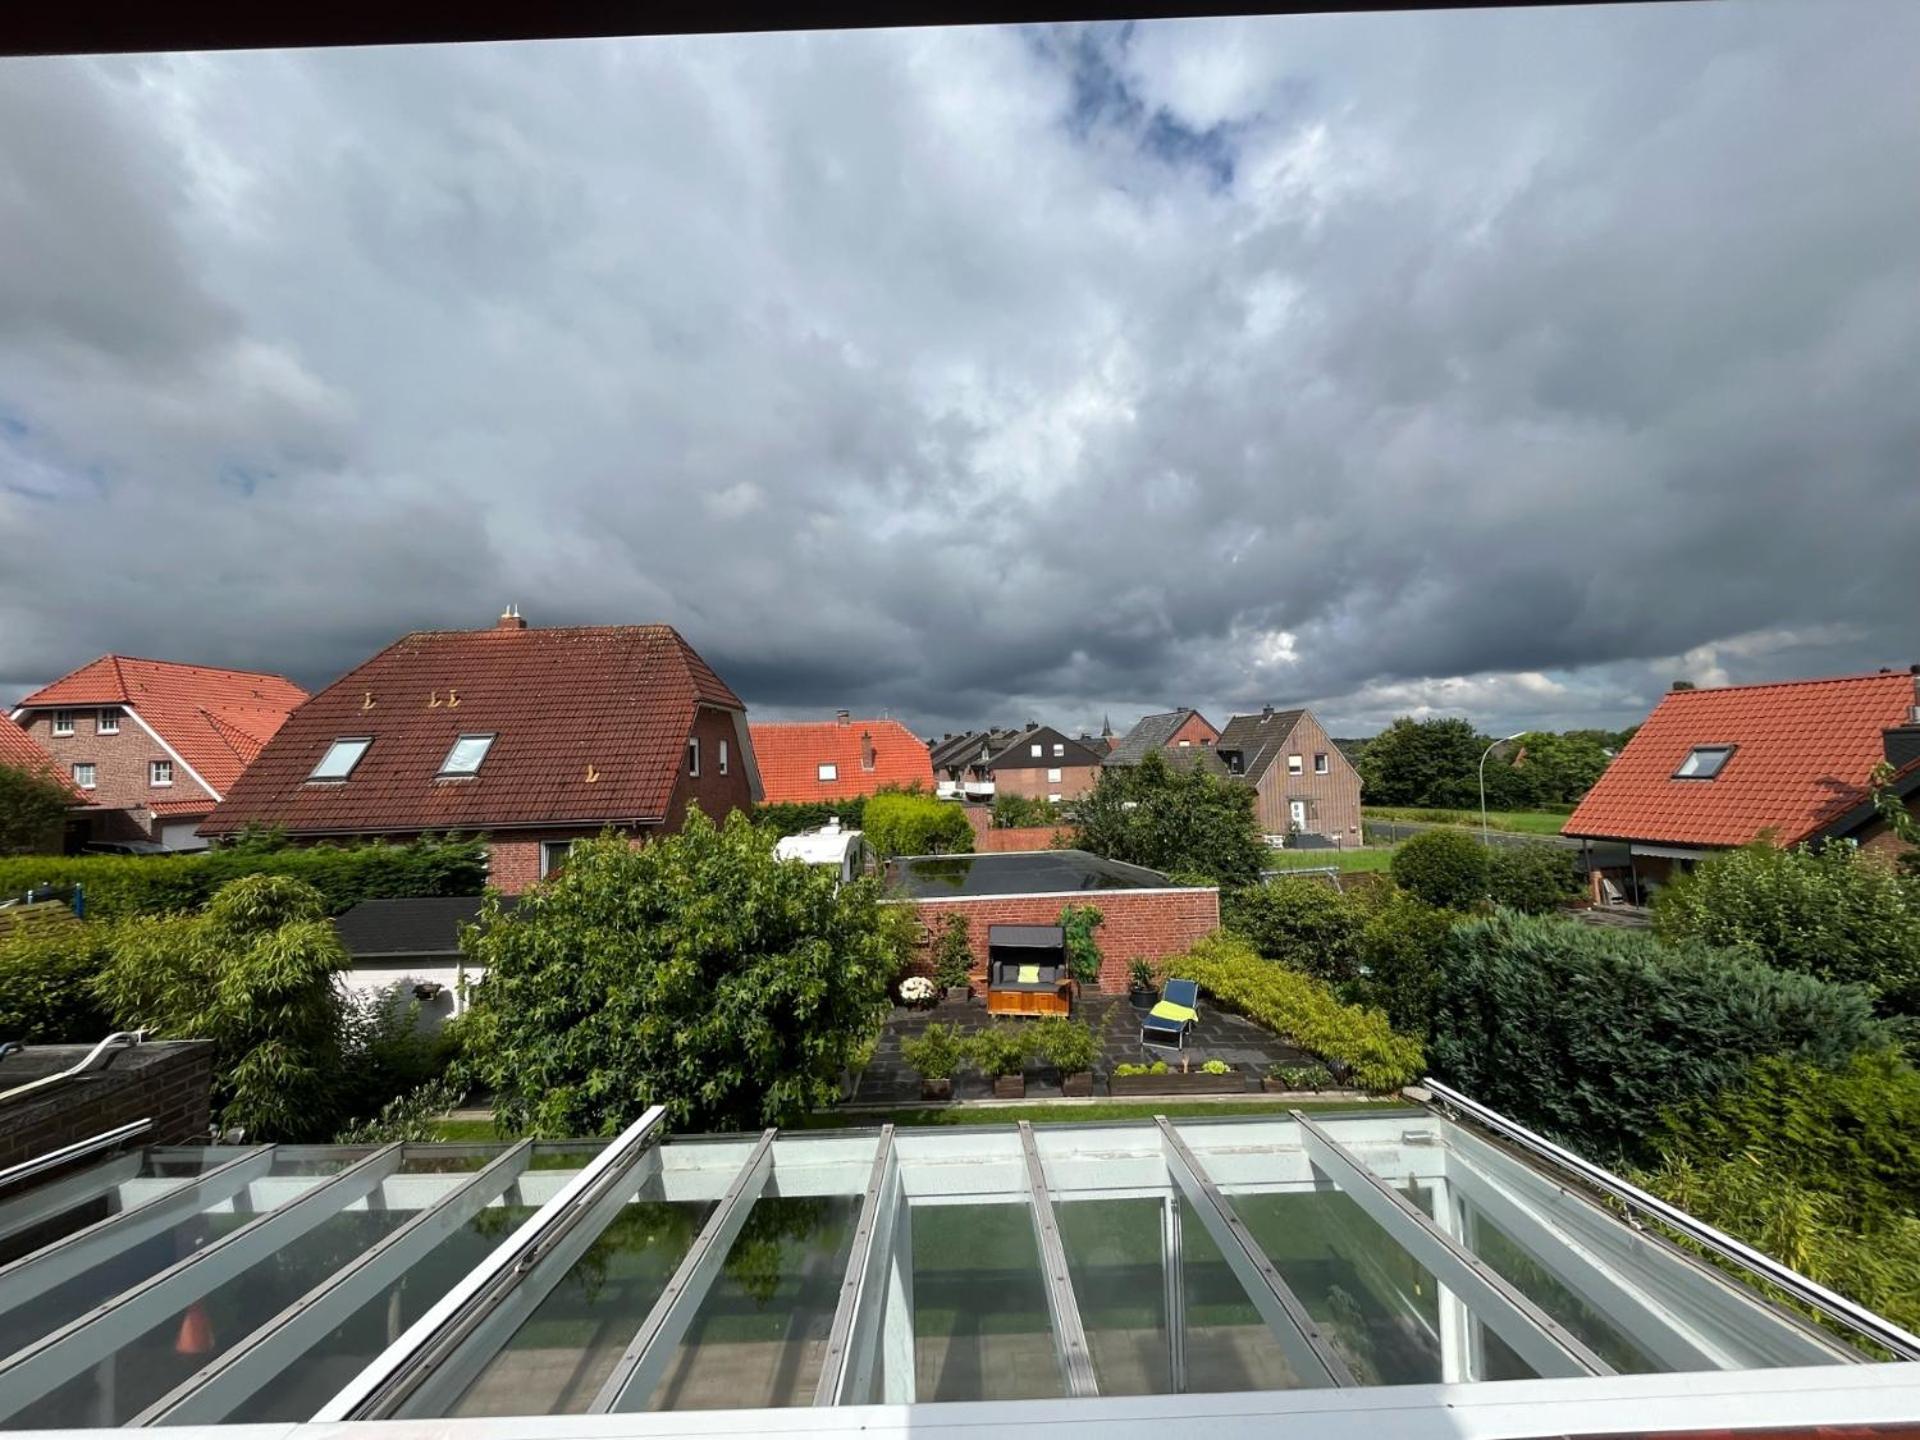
(1165, 1026)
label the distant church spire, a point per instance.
(1106, 726)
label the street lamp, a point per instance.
(1484, 841)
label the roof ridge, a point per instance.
(1799, 680)
(116, 657)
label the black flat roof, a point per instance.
(417, 925)
(1039, 872)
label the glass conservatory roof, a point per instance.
(1384, 1257)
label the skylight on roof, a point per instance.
(465, 756)
(341, 757)
(1703, 762)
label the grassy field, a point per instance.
(1523, 822)
(1377, 858)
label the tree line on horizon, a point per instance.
(1435, 764)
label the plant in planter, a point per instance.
(1281, 1078)
(1127, 1072)
(918, 991)
(1001, 1052)
(935, 1054)
(1143, 983)
(953, 956)
(1216, 1067)
(1071, 1047)
(1083, 953)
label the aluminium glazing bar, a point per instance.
(43, 1202)
(1069, 1332)
(645, 1360)
(1314, 1361)
(32, 1276)
(211, 1394)
(1903, 1343)
(77, 1346)
(1535, 1336)
(506, 1286)
(67, 1154)
(1173, 1281)
(853, 1344)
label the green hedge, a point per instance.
(1301, 1008)
(118, 886)
(1591, 1034)
(794, 816)
(912, 822)
(46, 983)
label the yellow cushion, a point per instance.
(1029, 974)
(1167, 1010)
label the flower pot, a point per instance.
(936, 1089)
(1080, 1083)
(1195, 1082)
(958, 994)
(1275, 1086)
(1010, 1087)
(1141, 999)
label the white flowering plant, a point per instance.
(917, 990)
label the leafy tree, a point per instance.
(1832, 912)
(1184, 822)
(695, 972)
(1300, 923)
(1400, 950)
(1899, 819)
(1435, 763)
(1534, 878)
(33, 809)
(952, 951)
(1447, 868)
(1010, 812)
(1078, 922)
(1414, 762)
(912, 822)
(255, 975)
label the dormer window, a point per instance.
(342, 755)
(1703, 762)
(465, 756)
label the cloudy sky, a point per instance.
(1508, 363)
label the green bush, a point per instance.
(47, 973)
(1011, 812)
(1002, 1048)
(1591, 1034)
(1303, 1009)
(1534, 879)
(1833, 913)
(1216, 1067)
(1447, 868)
(935, 1053)
(912, 822)
(696, 972)
(1083, 951)
(1158, 1067)
(1188, 822)
(1301, 1077)
(119, 886)
(1401, 944)
(33, 810)
(794, 816)
(1300, 923)
(952, 950)
(1142, 974)
(1070, 1046)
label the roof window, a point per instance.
(1703, 762)
(465, 756)
(342, 755)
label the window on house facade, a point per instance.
(723, 757)
(1296, 765)
(1186, 744)
(693, 755)
(1036, 749)
(553, 856)
(829, 772)
(63, 722)
(1321, 764)
(107, 722)
(1058, 751)
(1053, 799)
(160, 772)
(1703, 762)
(1053, 777)
(83, 774)
(465, 756)
(342, 755)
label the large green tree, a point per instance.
(1418, 762)
(695, 972)
(1184, 821)
(33, 804)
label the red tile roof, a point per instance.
(590, 726)
(790, 757)
(20, 751)
(1805, 749)
(215, 719)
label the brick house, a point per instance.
(1785, 762)
(1306, 784)
(1041, 763)
(839, 759)
(536, 737)
(154, 745)
(1170, 730)
(961, 762)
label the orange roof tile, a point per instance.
(790, 757)
(1804, 752)
(215, 719)
(20, 751)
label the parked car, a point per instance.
(126, 847)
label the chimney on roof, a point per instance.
(843, 717)
(510, 619)
(866, 750)
(1266, 712)
(1683, 685)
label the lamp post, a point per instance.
(1484, 841)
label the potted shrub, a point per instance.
(1282, 1078)
(1215, 1077)
(935, 1054)
(1143, 983)
(1001, 1053)
(953, 957)
(1069, 1046)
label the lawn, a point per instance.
(1524, 822)
(1377, 858)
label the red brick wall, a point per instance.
(1074, 781)
(1024, 837)
(119, 761)
(166, 1081)
(1154, 924)
(719, 795)
(1195, 732)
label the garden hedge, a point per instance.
(120, 886)
(1591, 1034)
(1301, 1008)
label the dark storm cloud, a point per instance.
(1509, 363)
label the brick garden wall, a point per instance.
(167, 1081)
(1155, 924)
(990, 841)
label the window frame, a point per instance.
(1322, 762)
(1059, 750)
(1053, 775)
(693, 757)
(92, 782)
(1296, 764)
(826, 772)
(62, 723)
(314, 777)
(722, 758)
(1723, 749)
(154, 782)
(446, 770)
(106, 720)
(547, 847)
(1033, 750)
